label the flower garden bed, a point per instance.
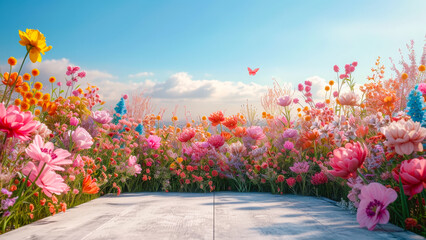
(59, 149)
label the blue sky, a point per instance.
(217, 39)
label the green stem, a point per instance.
(16, 81)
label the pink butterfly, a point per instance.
(252, 72)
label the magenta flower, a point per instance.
(422, 88)
(101, 117)
(319, 178)
(308, 83)
(49, 181)
(74, 121)
(348, 159)
(81, 138)
(15, 123)
(300, 87)
(44, 152)
(355, 64)
(372, 209)
(284, 101)
(154, 141)
(300, 167)
(81, 74)
(336, 68)
(320, 105)
(216, 141)
(307, 88)
(255, 133)
(288, 145)
(186, 135)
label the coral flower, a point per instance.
(216, 141)
(49, 181)
(186, 135)
(239, 131)
(405, 136)
(372, 209)
(44, 152)
(15, 123)
(154, 141)
(226, 135)
(35, 43)
(89, 185)
(216, 118)
(346, 160)
(81, 138)
(231, 122)
(349, 99)
(284, 101)
(413, 176)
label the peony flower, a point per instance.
(44, 152)
(49, 181)
(405, 136)
(89, 185)
(346, 160)
(413, 176)
(216, 141)
(101, 117)
(81, 138)
(216, 118)
(348, 98)
(15, 123)
(154, 141)
(186, 135)
(255, 133)
(284, 101)
(372, 209)
(35, 40)
(288, 145)
(300, 167)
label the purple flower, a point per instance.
(8, 202)
(6, 192)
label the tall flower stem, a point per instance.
(16, 81)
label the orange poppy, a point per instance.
(89, 185)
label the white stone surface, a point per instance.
(223, 215)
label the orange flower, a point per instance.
(17, 102)
(239, 131)
(24, 106)
(89, 185)
(327, 101)
(188, 125)
(216, 118)
(231, 122)
(25, 87)
(27, 76)
(327, 88)
(422, 68)
(52, 79)
(226, 135)
(38, 85)
(307, 118)
(38, 95)
(204, 118)
(37, 112)
(12, 61)
(331, 82)
(158, 117)
(28, 95)
(12, 79)
(33, 101)
(404, 76)
(35, 72)
(46, 97)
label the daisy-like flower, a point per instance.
(35, 42)
(45, 152)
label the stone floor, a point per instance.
(224, 215)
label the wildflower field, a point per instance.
(362, 145)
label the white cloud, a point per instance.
(141, 74)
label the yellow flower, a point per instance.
(36, 41)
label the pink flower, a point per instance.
(216, 141)
(75, 69)
(352, 69)
(355, 64)
(307, 88)
(308, 83)
(101, 117)
(422, 88)
(17, 124)
(300, 167)
(78, 161)
(336, 68)
(255, 133)
(291, 181)
(300, 87)
(81, 138)
(349, 99)
(288, 145)
(44, 152)
(413, 176)
(342, 76)
(75, 191)
(295, 100)
(186, 135)
(154, 141)
(320, 105)
(59, 84)
(372, 209)
(319, 178)
(284, 101)
(74, 121)
(405, 136)
(69, 83)
(135, 168)
(346, 160)
(81, 74)
(125, 96)
(290, 133)
(335, 94)
(48, 181)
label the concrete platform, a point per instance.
(226, 215)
